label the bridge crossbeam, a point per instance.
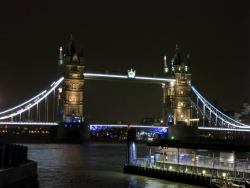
(112, 75)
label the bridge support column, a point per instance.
(73, 132)
(131, 146)
(183, 132)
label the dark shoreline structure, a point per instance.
(228, 161)
(16, 170)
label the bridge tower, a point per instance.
(176, 95)
(70, 95)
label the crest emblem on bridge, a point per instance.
(131, 73)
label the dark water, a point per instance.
(92, 165)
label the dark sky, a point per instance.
(122, 34)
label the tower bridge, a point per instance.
(62, 101)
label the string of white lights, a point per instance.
(32, 102)
(126, 77)
(219, 114)
(29, 123)
(223, 129)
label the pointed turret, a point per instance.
(60, 59)
(71, 48)
(165, 69)
(188, 61)
(165, 62)
(176, 60)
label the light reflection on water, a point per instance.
(90, 166)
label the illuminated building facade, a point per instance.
(176, 95)
(70, 95)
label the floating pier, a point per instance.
(192, 162)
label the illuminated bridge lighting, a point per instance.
(30, 103)
(228, 120)
(30, 123)
(23, 103)
(154, 129)
(207, 113)
(104, 75)
(224, 129)
(155, 79)
(101, 74)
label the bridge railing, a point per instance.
(162, 162)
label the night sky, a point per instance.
(119, 35)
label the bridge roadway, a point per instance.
(150, 128)
(160, 129)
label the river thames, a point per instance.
(89, 166)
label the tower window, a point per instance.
(73, 99)
(75, 58)
(73, 68)
(181, 92)
(182, 104)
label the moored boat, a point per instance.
(224, 183)
(247, 183)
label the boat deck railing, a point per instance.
(207, 166)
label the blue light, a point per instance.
(65, 125)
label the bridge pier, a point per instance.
(131, 146)
(183, 132)
(73, 132)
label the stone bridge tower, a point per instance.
(70, 95)
(176, 95)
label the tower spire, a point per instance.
(176, 47)
(176, 60)
(188, 61)
(165, 62)
(71, 48)
(165, 69)
(60, 59)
